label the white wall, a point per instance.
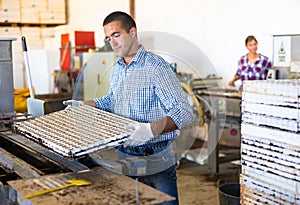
(42, 64)
(217, 27)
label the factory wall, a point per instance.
(87, 16)
(218, 28)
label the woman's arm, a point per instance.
(235, 78)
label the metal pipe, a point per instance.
(27, 67)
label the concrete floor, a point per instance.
(197, 186)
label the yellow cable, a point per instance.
(189, 91)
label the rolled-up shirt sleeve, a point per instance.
(173, 97)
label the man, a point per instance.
(143, 87)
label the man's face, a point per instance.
(120, 40)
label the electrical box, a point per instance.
(286, 55)
(97, 72)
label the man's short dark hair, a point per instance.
(126, 20)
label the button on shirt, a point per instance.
(257, 71)
(146, 90)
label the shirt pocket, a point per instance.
(142, 99)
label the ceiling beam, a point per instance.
(132, 8)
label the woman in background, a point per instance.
(253, 65)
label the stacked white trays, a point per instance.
(270, 149)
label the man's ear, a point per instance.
(132, 31)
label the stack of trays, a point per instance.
(77, 131)
(270, 142)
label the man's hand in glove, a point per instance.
(72, 103)
(140, 135)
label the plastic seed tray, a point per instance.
(77, 131)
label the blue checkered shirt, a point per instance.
(146, 90)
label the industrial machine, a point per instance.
(34, 150)
(6, 74)
(220, 119)
(7, 110)
(224, 125)
(59, 142)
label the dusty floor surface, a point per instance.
(197, 186)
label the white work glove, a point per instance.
(140, 135)
(72, 103)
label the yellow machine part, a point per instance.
(20, 99)
(189, 91)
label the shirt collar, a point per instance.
(137, 57)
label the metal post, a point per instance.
(213, 138)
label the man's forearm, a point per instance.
(90, 103)
(163, 125)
